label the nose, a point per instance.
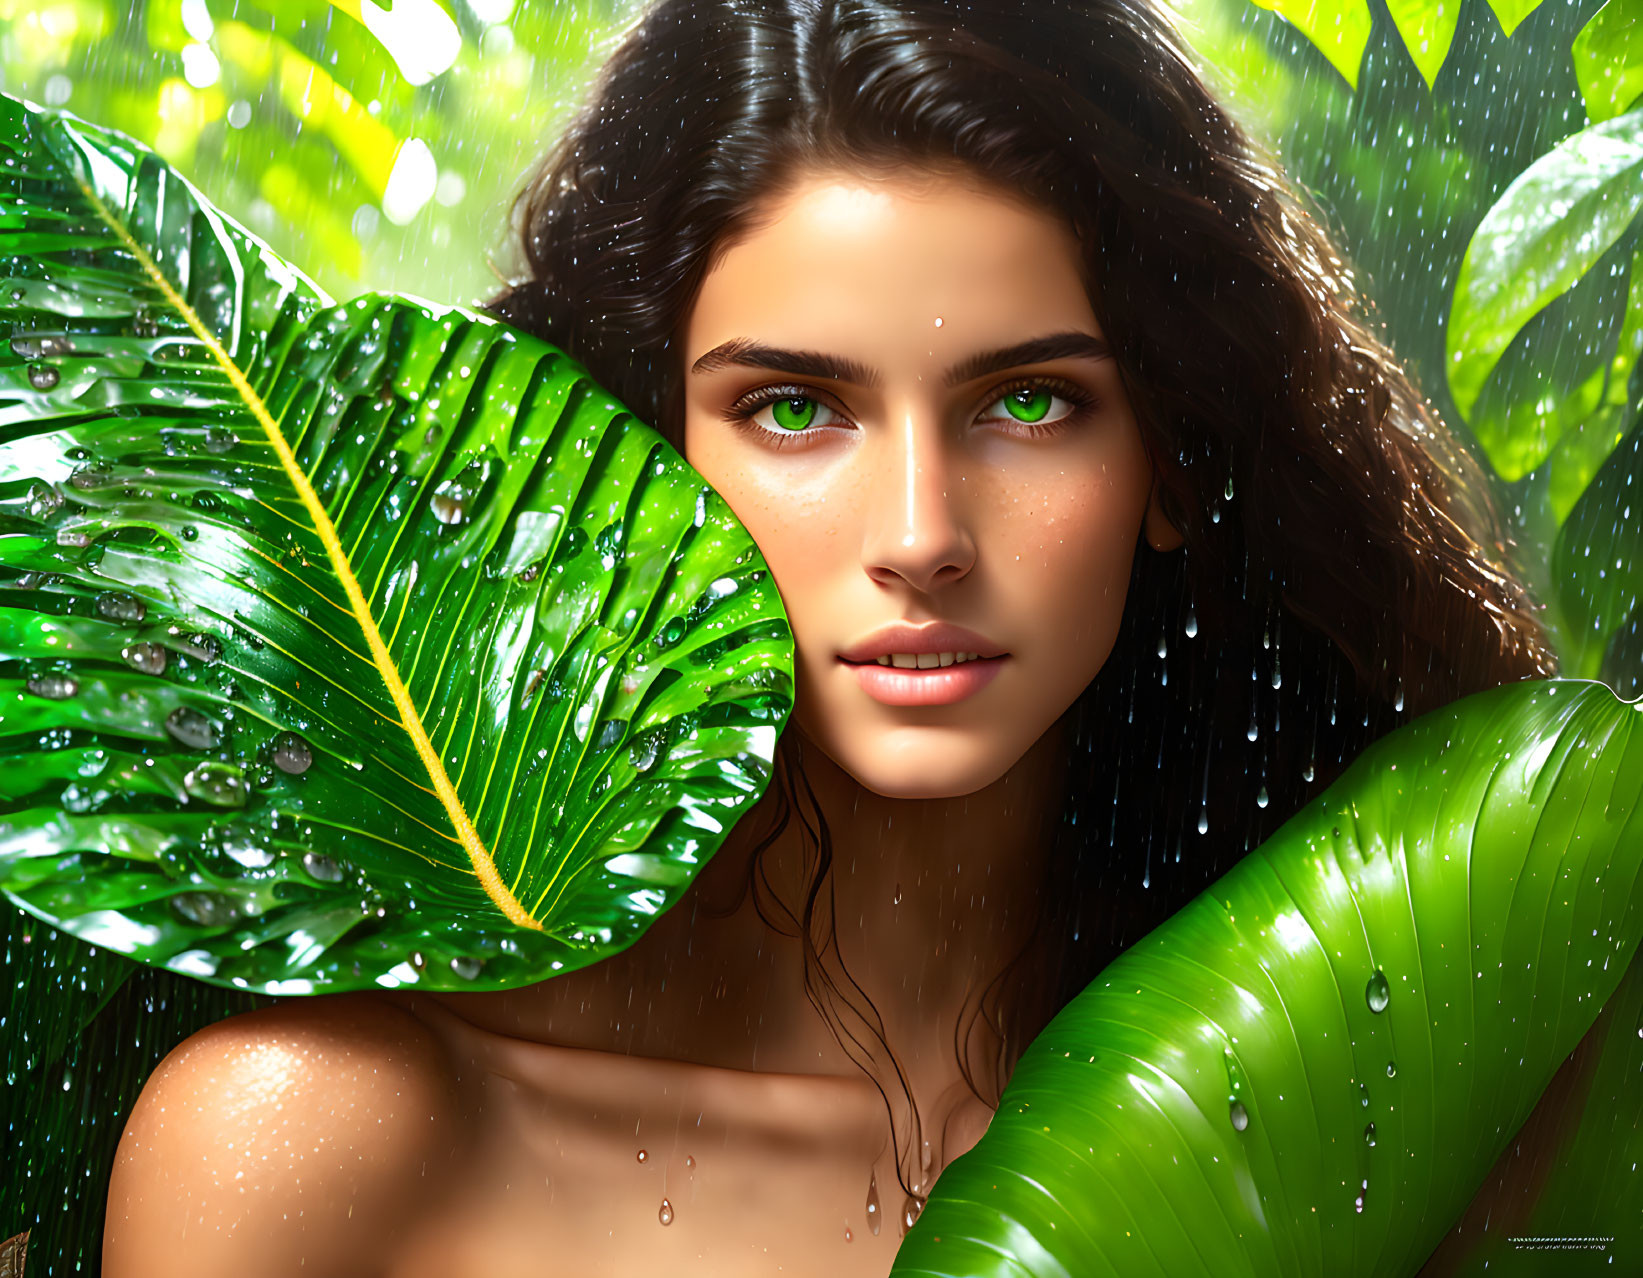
(916, 532)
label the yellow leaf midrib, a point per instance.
(479, 857)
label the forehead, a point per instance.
(869, 265)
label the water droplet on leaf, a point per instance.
(322, 868)
(119, 605)
(54, 687)
(205, 909)
(1378, 992)
(193, 728)
(44, 501)
(218, 783)
(150, 658)
(291, 754)
(206, 648)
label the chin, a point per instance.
(926, 770)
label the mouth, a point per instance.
(891, 682)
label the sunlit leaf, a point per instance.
(1597, 562)
(1544, 233)
(1608, 58)
(341, 646)
(314, 98)
(1323, 1029)
(1338, 29)
(1428, 30)
(1512, 12)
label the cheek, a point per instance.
(1072, 555)
(796, 524)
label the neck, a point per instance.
(929, 898)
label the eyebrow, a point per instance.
(745, 352)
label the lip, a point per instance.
(939, 686)
(938, 636)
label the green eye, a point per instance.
(1029, 404)
(793, 414)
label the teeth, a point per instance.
(924, 660)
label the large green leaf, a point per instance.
(340, 646)
(1310, 1068)
(1545, 232)
(1608, 58)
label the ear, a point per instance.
(1161, 534)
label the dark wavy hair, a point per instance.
(1343, 567)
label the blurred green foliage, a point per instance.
(377, 147)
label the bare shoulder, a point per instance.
(290, 1139)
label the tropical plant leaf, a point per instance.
(1338, 29)
(1428, 31)
(1310, 1068)
(1597, 561)
(340, 646)
(1608, 59)
(1546, 231)
(1512, 12)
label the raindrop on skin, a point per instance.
(643, 1155)
(665, 1213)
(874, 1221)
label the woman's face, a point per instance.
(900, 388)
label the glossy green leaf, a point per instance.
(1512, 12)
(1597, 561)
(1544, 233)
(1338, 29)
(1608, 59)
(1428, 31)
(1360, 1013)
(340, 646)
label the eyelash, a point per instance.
(740, 413)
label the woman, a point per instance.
(1015, 356)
